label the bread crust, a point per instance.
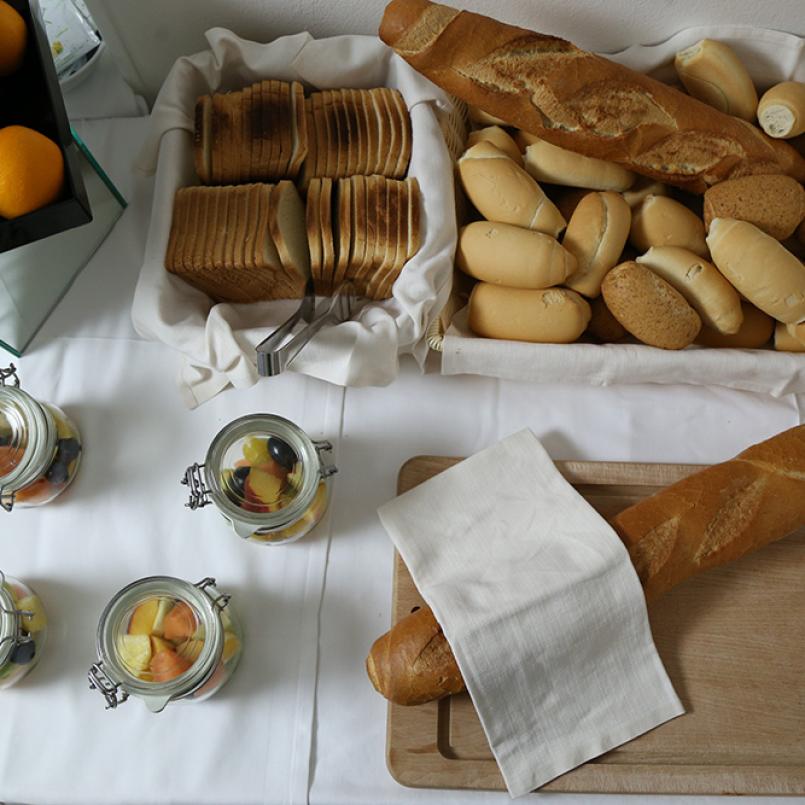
(580, 101)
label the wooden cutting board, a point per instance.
(733, 643)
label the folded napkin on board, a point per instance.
(217, 341)
(541, 606)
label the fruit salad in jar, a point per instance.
(21, 647)
(163, 637)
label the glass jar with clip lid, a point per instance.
(23, 628)
(40, 448)
(266, 476)
(162, 639)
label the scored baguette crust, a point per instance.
(707, 519)
(580, 101)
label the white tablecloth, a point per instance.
(300, 721)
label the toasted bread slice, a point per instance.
(343, 232)
(288, 229)
(370, 115)
(313, 227)
(403, 123)
(202, 139)
(270, 128)
(255, 133)
(298, 129)
(267, 255)
(326, 226)
(219, 134)
(357, 245)
(401, 241)
(221, 227)
(344, 139)
(357, 127)
(285, 129)
(245, 152)
(322, 135)
(384, 256)
(250, 230)
(236, 147)
(206, 232)
(414, 234)
(394, 133)
(173, 254)
(191, 225)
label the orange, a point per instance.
(31, 171)
(12, 39)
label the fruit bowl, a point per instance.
(32, 97)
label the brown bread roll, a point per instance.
(550, 163)
(700, 282)
(595, 237)
(502, 191)
(775, 204)
(499, 138)
(755, 331)
(580, 101)
(712, 72)
(510, 255)
(603, 325)
(781, 111)
(759, 267)
(554, 316)
(662, 221)
(649, 308)
(705, 520)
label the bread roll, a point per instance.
(755, 331)
(596, 236)
(641, 189)
(801, 233)
(567, 199)
(708, 293)
(603, 325)
(649, 308)
(775, 204)
(785, 339)
(524, 139)
(502, 191)
(781, 111)
(705, 520)
(483, 118)
(661, 221)
(554, 316)
(797, 331)
(579, 100)
(550, 163)
(712, 72)
(510, 255)
(499, 138)
(760, 267)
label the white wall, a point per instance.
(147, 35)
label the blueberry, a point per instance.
(57, 474)
(282, 453)
(68, 449)
(239, 477)
(23, 653)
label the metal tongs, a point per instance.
(273, 356)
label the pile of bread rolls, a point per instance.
(571, 246)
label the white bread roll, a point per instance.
(595, 236)
(755, 331)
(502, 191)
(712, 72)
(661, 221)
(759, 267)
(781, 111)
(641, 189)
(499, 138)
(553, 316)
(477, 115)
(784, 341)
(550, 163)
(510, 255)
(700, 282)
(524, 139)
(797, 331)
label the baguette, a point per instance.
(781, 111)
(580, 101)
(712, 517)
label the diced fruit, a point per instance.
(24, 653)
(263, 486)
(158, 644)
(273, 468)
(190, 649)
(135, 651)
(231, 646)
(319, 504)
(179, 623)
(165, 605)
(282, 453)
(142, 621)
(9, 458)
(38, 619)
(37, 491)
(168, 665)
(255, 450)
(63, 429)
(294, 479)
(68, 449)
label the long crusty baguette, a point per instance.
(580, 101)
(707, 519)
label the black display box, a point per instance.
(32, 97)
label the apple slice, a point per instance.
(142, 620)
(158, 644)
(38, 619)
(167, 665)
(264, 486)
(180, 623)
(134, 651)
(165, 606)
(190, 649)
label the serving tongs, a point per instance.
(273, 356)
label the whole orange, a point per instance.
(12, 39)
(31, 171)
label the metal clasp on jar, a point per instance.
(326, 466)
(9, 373)
(195, 479)
(220, 602)
(110, 690)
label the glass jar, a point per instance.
(23, 629)
(162, 639)
(266, 476)
(40, 448)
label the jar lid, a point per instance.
(9, 621)
(27, 439)
(160, 638)
(262, 470)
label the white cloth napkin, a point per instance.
(541, 606)
(217, 341)
(770, 57)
